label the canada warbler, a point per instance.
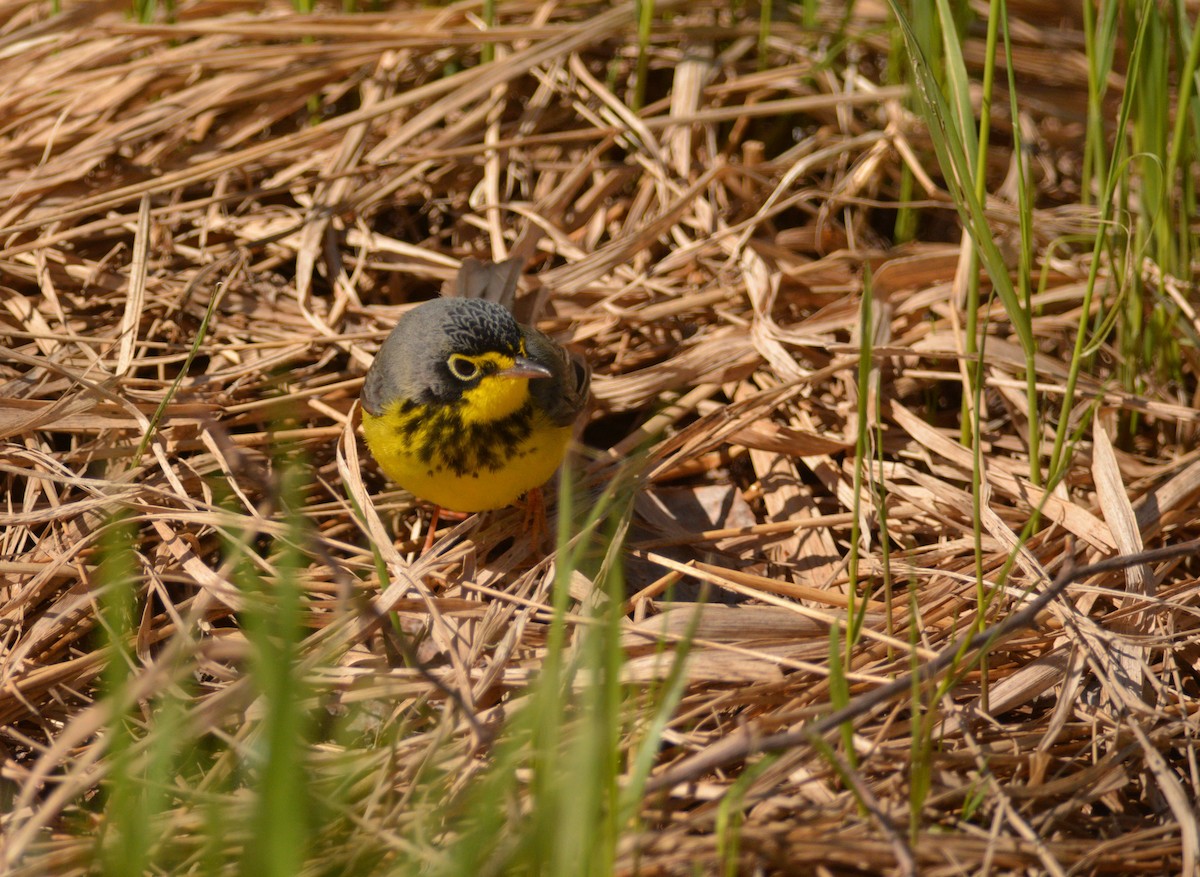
(466, 408)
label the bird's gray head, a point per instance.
(415, 361)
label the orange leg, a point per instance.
(435, 517)
(431, 530)
(535, 523)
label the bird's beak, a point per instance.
(525, 368)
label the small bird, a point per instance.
(466, 408)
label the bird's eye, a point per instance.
(463, 368)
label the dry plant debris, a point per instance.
(272, 189)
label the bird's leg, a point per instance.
(431, 531)
(535, 523)
(435, 517)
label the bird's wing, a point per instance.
(565, 396)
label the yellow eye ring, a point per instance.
(462, 368)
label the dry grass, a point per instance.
(306, 178)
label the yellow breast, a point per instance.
(460, 458)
